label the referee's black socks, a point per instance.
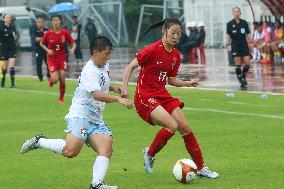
(239, 73)
(245, 70)
(12, 75)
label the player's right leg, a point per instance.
(53, 71)
(159, 116)
(239, 74)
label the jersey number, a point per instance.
(162, 76)
(57, 47)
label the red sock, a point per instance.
(62, 90)
(193, 149)
(160, 141)
(50, 82)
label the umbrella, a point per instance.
(64, 7)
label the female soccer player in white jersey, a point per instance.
(85, 117)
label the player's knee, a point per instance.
(173, 126)
(107, 152)
(184, 129)
(69, 153)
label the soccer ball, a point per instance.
(185, 171)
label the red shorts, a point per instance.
(54, 66)
(145, 105)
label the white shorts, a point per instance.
(83, 129)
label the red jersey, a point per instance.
(157, 64)
(57, 42)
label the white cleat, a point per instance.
(148, 161)
(205, 172)
(31, 144)
(101, 185)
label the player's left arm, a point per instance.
(115, 89)
(181, 83)
(71, 42)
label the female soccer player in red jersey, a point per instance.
(159, 63)
(56, 40)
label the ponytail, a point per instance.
(156, 25)
(166, 23)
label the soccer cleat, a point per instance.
(13, 86)
(31, 144)
(148, 161)
(205, 172)
(61, 101)
(101, 185)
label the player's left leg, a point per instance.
(61, 86)
(102, 144)
(12, 62)
(246, 60)
(191, 144)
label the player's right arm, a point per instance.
(126, 75)
(43, 42)
(104, 97)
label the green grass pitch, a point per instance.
(242, 138)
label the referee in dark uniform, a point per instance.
(8, 49)
(37, 33)
(237, 37)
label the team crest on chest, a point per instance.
(174, 62)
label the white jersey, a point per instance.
(84, 105)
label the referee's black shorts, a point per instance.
(9, 51)
(240, 50)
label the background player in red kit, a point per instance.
(159, 63)
(56, 40)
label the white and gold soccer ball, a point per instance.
(185, 171)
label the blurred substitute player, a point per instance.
(85, 117)
(56, 39)
(37, 34)
(159, 63)
(8, 49)
(238, 35)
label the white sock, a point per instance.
(100, 168)
(55, 145)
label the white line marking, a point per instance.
(194, 109)
(240, 103)
(235, 113)
(34, 91)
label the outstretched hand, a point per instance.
(124, 93)
(125, 102)
(192, 82)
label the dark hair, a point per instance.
(56, 15)
(100, 43)
(74, 16)
(166, 24)
(236, 8)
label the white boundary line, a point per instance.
(193, 109)
(196, 88)
(235, 113)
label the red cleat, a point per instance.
(61, 101)
(50, 83)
